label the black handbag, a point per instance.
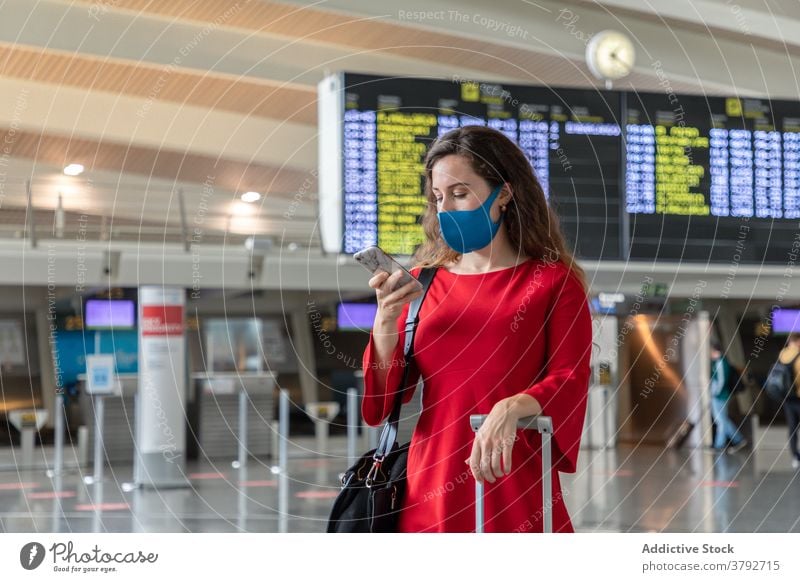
(373, 489)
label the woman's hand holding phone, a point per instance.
(391, 300)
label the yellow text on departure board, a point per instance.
(677, 173)
(401, 143)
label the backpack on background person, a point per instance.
(779, 384)
(739, 380)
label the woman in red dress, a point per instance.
(504, 330)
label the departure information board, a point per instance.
(630, 175)
(711, 178)
(571, 138)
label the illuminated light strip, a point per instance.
(619, 473)
(101, 507)
(316, 494)
(51, 495)
(315, 463)
(203, 476)
(17, 486)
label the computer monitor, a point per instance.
(785, 320)
(355, 316)
(109, 314)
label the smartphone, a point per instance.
(374, 259)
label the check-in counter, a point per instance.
(119, 426)
(217, 399)
(212, 415)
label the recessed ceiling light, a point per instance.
(251, 197)
(74, 170)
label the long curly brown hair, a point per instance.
(533, 227)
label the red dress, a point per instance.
(481, 338)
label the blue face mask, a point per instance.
(465, 231)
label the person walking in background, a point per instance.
(791, 406)
(725, 429)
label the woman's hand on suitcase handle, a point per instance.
(493, 443)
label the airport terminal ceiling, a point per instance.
(272, 107)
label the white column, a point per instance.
(303, 342)
(45, 343)
(696, 356)
(161, 427)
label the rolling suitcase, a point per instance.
(544, 425)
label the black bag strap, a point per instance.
(390, 429)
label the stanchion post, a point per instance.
(353, 422)
(99, 423)
(283, 482)
(58, 453)
(242, 458)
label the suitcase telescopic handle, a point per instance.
(544, 425)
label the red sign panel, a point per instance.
(162, 320)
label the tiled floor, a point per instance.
(626, 489)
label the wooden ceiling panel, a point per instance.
(379, 35)
(164, 164)
(217, 91)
